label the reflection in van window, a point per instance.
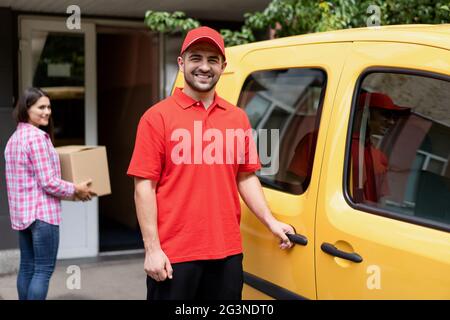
(288, 100)
(400, 146)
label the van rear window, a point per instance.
(398, 161)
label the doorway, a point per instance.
(62, 63)
(127, 85)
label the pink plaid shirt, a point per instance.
(33, 178)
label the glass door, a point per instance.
(62, 62)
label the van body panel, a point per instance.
(401, 260)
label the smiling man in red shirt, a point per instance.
(194, 154)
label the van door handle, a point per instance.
(297, 239)
(332, 250)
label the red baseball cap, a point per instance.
(381, 101)
(204, 34)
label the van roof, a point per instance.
(430, 35)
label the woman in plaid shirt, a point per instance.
(35, 190)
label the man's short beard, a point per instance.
(196, 88)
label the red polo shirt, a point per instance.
(194, 155)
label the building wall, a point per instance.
(9, 255)
(8, 238)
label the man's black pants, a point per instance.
(201, 280)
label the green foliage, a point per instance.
(292, 17)
(234, 38)
(169, 22)
(417, 11)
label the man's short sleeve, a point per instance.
(251, 162)
(148, 156)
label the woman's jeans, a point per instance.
(38, 250)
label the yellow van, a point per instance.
(360, 168)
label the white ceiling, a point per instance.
(229, 10)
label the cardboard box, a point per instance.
(81, 163)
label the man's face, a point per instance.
(202, 65)
(381, 120)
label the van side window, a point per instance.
(287, 102)
(400, 146)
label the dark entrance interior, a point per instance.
(128, 83)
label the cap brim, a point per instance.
(205, 39)
(399, 108)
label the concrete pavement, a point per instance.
(102, 278)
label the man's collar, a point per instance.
(185, 101)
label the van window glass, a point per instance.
(400, 146)
(286, 102)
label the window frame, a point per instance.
(289, 189)
(345, 185)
